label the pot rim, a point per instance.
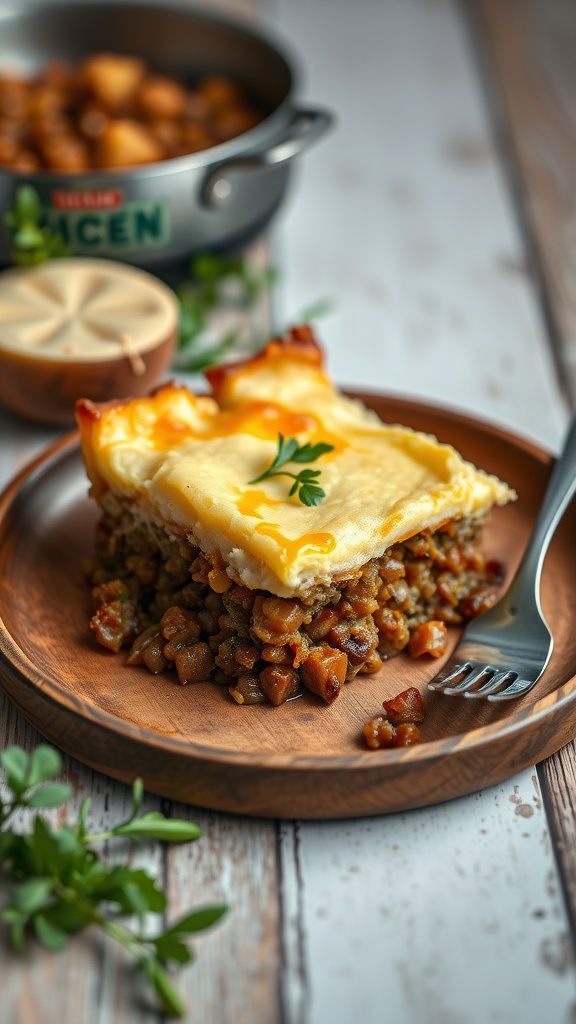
(247, 142)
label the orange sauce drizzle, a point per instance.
(317, 543)
(249, 501)
(393, 520)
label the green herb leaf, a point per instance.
(45, 763)
(60, 884)
(32, 244)
(167, 994)
(320, 308)
(155, 826)
(198, 920)
(289, 451)
(134, 901)
(9, 915)
(27, 203)
(28, 237)
(82, 817)
(306, 475)
(311, 452)
(15, 763)
(49, 934)
(32, 894)
(216, 282)
(137, 797)
(310, 494)
(69, 917)
(17, 935)
(52, 795)
(6, 844)
(208, 357)
(45, 850)
(170, 949)
(211, 267)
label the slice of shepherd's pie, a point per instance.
(278, 533)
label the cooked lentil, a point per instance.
(175, 609)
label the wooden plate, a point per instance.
(303, 759)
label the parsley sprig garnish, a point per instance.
(309, 492)
(60, 885)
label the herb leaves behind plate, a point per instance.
(60, 885)
(217, 283)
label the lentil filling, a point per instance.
(175, 610)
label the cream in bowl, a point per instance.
(78, 326)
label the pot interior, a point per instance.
(175, 41)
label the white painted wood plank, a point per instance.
(93, 981)
(448, 915)
(236, 977)
(402, 215)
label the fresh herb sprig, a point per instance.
(32, 244)
(216, 282)
(309, 492)
(60, 885)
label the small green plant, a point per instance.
(215, 282)
(31, 243)
(60, 885)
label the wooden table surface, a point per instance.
(440, 217)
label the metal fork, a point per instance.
(503, 652)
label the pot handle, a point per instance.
(305, 127)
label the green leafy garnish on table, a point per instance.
(60, 885)
(309, 491)
(216, 282)
(31, 243)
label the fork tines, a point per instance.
(471, 679)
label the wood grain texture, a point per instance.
(419, 897)
(403, 216)
(527, 49)
(93, 980)
(558, 781)
(237, 976)
(530, 49)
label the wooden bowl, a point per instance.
(81, 328)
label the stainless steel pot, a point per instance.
(162, 213)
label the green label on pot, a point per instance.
(123, 229)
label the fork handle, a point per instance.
(560, 490)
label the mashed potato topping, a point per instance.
(187, 460)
